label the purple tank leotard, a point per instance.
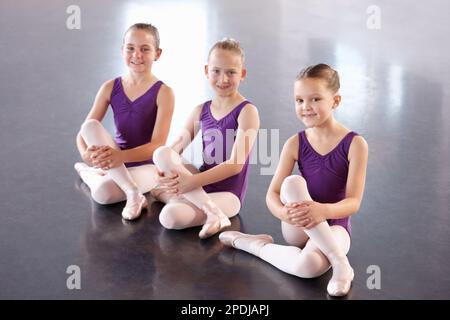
(212, 129)
(134, 120)
(326, 175)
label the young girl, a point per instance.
(122, 168)
(229, 123)
(314, 208)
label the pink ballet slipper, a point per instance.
(215, 222)
(210, 228)
(341, 281)
(229, 237)
(133, 211)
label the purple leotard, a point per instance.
(214, 138)
(326, 175)
(134, 120)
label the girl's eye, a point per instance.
(145, 49)
(299, 100)
(316, 99)
(130, 48)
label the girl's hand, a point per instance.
(290, 212)
(307, 214)
(184, 183)
(107, 158)
(87, 155)
(163, 184)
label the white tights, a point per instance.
(185, 211)
(117, 184)
(310, 261)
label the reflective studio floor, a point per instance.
(395, 87)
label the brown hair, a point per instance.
(321, 71)
(146, 27)
(230, 45)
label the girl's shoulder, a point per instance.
(106, 88)
(359, 143)
(292, 145)
(249, 107)
(358, 148)
(249, 110)
(293, 140)
(198, 110)
(164, 90)
(109, 84)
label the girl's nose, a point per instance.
(306, 105)
(224, 78)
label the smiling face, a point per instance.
(314, 101)
(225, 71)
(139, 50)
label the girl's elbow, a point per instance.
(268, 200)
(356, 207)
(237, 168)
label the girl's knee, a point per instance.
(293, 181)
(168, 217)
(90, 125)
(228, 202)
(107, 193)
(165, 158)
(102, 197)
(161, 153)
(294, 189)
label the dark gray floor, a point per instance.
(395, 84)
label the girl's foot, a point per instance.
(134, 207)
(341, 281)
(216, 220)
(229, 237)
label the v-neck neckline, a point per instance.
(145, 93)
(231, 111)
(328, 153)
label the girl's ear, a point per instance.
(243, 73)
(206, 70)
(158, 54)
(337, 99)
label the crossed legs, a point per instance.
(116, 184)
(323, 246)
(195, 207)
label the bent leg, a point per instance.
(170, 162)
(293, 188)
(94, 133)
(324, 238)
